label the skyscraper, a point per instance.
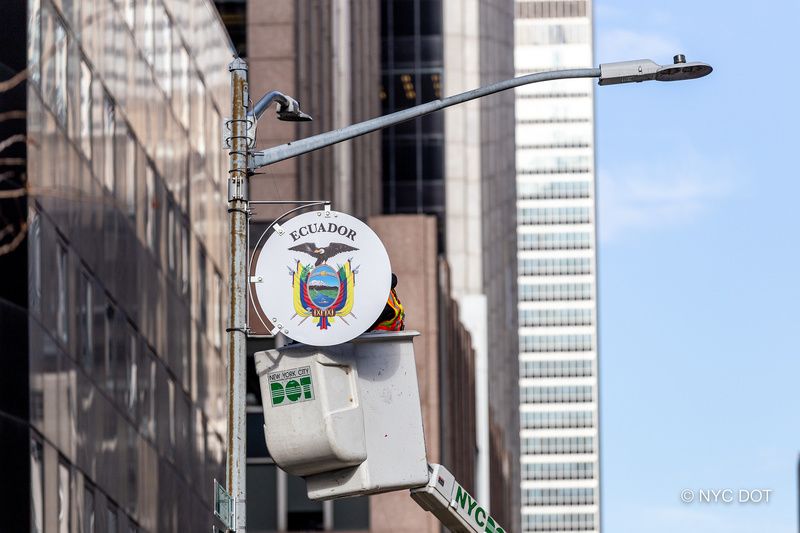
(112, 410)
(557, 270)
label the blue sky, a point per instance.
(699, 254)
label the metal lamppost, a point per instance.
(240, 139)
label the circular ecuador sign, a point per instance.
(325, 278)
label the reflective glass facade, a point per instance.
(412, 66)
(557, 270)
(120, 383)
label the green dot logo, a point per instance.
(277, 393)
(292, 390)
(291, 386)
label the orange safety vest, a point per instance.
(395, 323)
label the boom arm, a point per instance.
(452, 504)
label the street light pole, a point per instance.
(243, 162)
(238, 197)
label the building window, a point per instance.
(88, 509)
(108, 348)
(150, 207)
(145, 390)
(563, 266)
(129, 12)
(198, 127)
(554, 215)
(545, 471)
(556, 419)
(202, 292)
(64, 491)
(112, 525)
(59, 101)
(351, 514)
(109, 128)
(564, 394)
(171, 407)
(572, 496)
(35, 264)
(148, 44)
(555, 343)
(133, 373)
(551, 190)
(557, 445)
(87, 323)
(556, 369)
(216, 323)
(531, 162)
(185, 236)
(555, 241)
(34, 39)
(550, 9)
(126, 154)
(163, 50)
(37, 487)
(559, 522)
(86, 109)
(171, 237)
(555, 317)
(545, 35)
(554, 292)
(302, 514)
(262, 486)
(62, 297)
(181, 96)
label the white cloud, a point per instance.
(661, 194)
(619, 44)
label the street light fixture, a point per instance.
(683, 70)
(288, 108)
(646, 69)
(240, 139)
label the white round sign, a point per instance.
(325, 278)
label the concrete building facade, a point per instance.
(325, 55)
(111, 314)
(559, 433)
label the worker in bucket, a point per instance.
(391, 318)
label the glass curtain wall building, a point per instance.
(557, 270)
(412, 66)
(113, 417)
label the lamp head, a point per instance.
(294, 116)
(681, 70)
(290, 111)
(645, 69)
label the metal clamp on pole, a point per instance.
(239, 125)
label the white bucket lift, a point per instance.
(347, 418)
